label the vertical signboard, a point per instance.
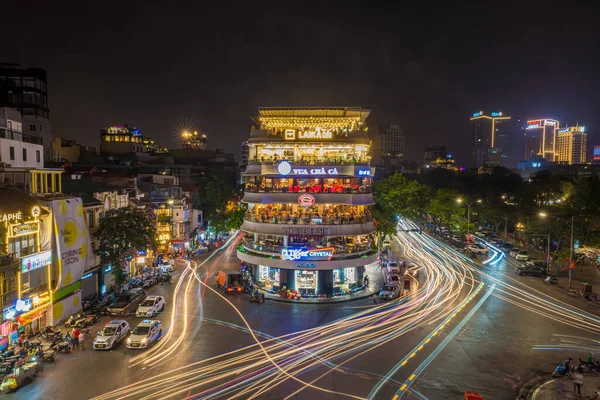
(74, 248)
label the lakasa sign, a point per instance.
(308, 255)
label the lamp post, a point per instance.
(459, 201)
(570, 225)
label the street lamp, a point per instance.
(459, 201)
(571, 225)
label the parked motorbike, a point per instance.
(257, 297)
(560, 371)
(8, 364)
(550, 280)
(61, 346)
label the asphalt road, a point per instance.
(355, 348)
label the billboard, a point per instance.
(35, 261)
(73, 244)
(597, 152)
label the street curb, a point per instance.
(529, 387)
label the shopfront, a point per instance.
(89, 283)
(27, 315)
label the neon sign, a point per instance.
(533, 126)
(10, 217)
(22, 305)
(306, 200)
(549, 122)
(364, 172)
(309, 255)
(496, 114)
(536, 164)
(316, 134)
(306, 265)
(477, 114)
(315, 171)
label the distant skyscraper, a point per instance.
(489, 138)
(433, 153)
(540, 139)
(392, 141)
(571, 145)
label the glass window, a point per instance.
(90, 219)
(12, 153)
(306, 281)
(32, 127)
(24, 154)
(37, 156)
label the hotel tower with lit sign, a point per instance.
(571, 145)
(308, 187)
(488, 138)
(541, 139)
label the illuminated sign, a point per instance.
(533, 126)
(536, 164)
(11, 217)
(24, 229)
(566, 130)
(318, 133)
(308, 255)
(35, 211)
(36, 261)
(315, 171)
(284, 168)
(23, 305)
(496, 114)
(597, 153)
(311, 231)
(549, 122)
(306, 200)
(364, 172)
(477, 114)
(88, 275)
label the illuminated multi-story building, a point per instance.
(571, 145)
(308, 186)
(193, 140)
(120, 140)
(488, 138)
(540, 139)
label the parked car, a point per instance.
(514, 251)
(127, 302)
(394, 279)
(507, 247)
(531, 271)
(151, 306)
(389, 292)
(111, 335)
(477, 249)
(538, 264)
(145, 334)
(523, 255)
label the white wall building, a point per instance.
(17, 149)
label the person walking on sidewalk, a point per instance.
(82, 340)
(578, 380)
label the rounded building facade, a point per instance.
(308, 188)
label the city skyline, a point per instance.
(421, 83)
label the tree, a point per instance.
(121, 234)
(217, 190)
(235, 216)
(445, 210)
(398, 195)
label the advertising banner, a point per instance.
(66, 307)
(73, 244)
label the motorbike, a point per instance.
(8, 364)
(257, 297)
(70, 322)
(550, 280)
(61, 346)
(560, 371)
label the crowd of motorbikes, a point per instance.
(566, 367)
(146, 279)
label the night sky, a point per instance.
(154, 65)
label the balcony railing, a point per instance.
(21, 137)
(327, 220)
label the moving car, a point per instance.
(387, 243)
(477, 249)
(111, 335)
(523, 255)
(145, 334)
(393, 267)
(127, 302)
(151, 306)
(394, 279)
(230, 280)
(389, 292)
(531, 270)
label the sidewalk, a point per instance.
(562, 388)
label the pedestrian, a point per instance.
(75, 340)
(82, 340)
(567, 365)
(578, 380)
